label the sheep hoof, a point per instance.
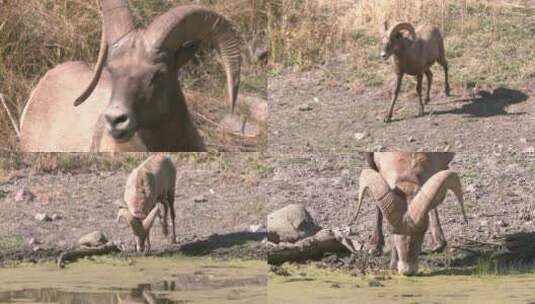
(439, 247)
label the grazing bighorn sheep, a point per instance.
(406, 186)
(150, 183)
(134, 102)
(414, 56)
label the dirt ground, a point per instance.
(498, 194)
(216, 203)
(321, 110)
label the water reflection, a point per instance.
(156, 293)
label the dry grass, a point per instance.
(36, 35)
(488, 42)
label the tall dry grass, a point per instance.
(36, 35)
(489, 42)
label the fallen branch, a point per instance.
(313, 247)
(78, 253)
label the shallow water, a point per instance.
(140, 280)
(318, 286)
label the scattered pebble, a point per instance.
(56, 217)
(43, 217)
(24, 195)
(374, 283)
(257, 228)
(305, 108)
(200, 199)
(411, 139)
(33, 241)
(361, 135)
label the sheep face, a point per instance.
(390, 45)
(143, 88)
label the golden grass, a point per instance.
(488, 42)
(36, 35)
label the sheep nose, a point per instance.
(383, 55)
(407, 269)
(120, 123)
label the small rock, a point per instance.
(502, 223)
(56, 217)
(471, 188)
(411, 139)
(305, 108)
(361, 135)
(374, 283)
(93, 239)
(484, 223)
(524, 140)
(33, 241)
(335, 285)
(36, 248)
(42, 217)
(257, 228)
(200, 199)
(24, 195)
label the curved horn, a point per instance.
(185, 25)
(149, 220)
(400, 27)
(391, 204)
(432, 194)
(117, 22)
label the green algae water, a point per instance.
(139, 280)
(311, 285)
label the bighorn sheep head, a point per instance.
(141, 228)
(392, 38)
(406, 209)
(143, 63)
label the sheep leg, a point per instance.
(171, 201)
(439, 241)
(147, 248)
(444, 65)
(377, 241)
(393, 255)
(388, 117)
(163, 219)
(419, 79)
(429, 76)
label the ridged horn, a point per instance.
(184, 25)
(117, 21)
(432, 194)
(400, 27)
(392, 205)
(149, 220)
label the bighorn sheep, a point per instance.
(134, 102)
(406, 187)
(150, 183)
(414, 56)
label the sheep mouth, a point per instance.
(122, 136)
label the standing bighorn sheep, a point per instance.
(150, 183)
(414, 56)
(134, 102)
(406, 186)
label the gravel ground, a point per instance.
(214, 201)
(320, 110)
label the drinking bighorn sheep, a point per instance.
(414, 55)
(150, 183)
(407, 186)
(132, 100)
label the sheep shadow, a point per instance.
(488, 104)
(221, 241)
